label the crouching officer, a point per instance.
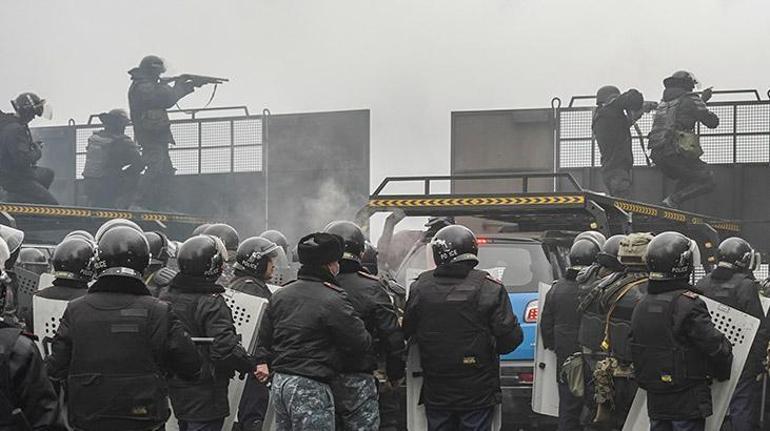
(308, 328)
(27, 398)
(675, 347)
(732, 283)
(355, 389)
(462, 321)
(559, 325)
(253, 267)
(116, 345)
(195, 296)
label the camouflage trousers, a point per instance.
(355, 401)
(301, 404)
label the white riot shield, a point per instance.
(765, 301)
(27, 282)
(247, 315)
(740, 329)
(545, 390)
(45, 320)
(46, 280)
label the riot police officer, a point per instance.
(285, 268)
(113, 163)
(355, 389)
(73, 269)
(732, 283)
(33, 260)
(148, 99)
(253, 268)
(115, 345)
(278, 238)
(615, 113)
(196, 298)
(230, 239)
(559, 324)
(674, 145)
(675, 347)
(461, 319)
(619, 294)
(20, 176)
(308, 327)
(14, 311)
(158, 275)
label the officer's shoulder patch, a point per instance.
(494, 280)
(690, 294)
(333, 287)
(369, 276)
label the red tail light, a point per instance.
(526, 377)
(530, 314)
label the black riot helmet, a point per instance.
(199, 230)
(671, 256)
(352, 235)
(608, 257)
(737, 253)
(122, 251)
(81, 234)
(596, 237)
(28, 106)
(73, 259)
(32, 259)
(202, 256)
(606, 94)
(13, 238)
(583, 253)
(228, 235)
(116, 222)
(278, 238)
(253, 255)
(454, 243)
(369, 258)
(158, 242)
(681, 79)
(152, 65)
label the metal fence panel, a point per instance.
(743, 135)
(203, 146)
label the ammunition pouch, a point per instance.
(572, 374)
(688, 144)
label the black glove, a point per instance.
(706, 94)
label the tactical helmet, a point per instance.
(606, 94)
(28, 106)
(81, 234)
(596, 237)
(13, 239)
(440, 222)
(32, 259)
(681, 79)
(253, 255)
(670, 256)
(158, 242)
(608, 257)
(153, 64)
(228, 235)
(202, 256)
(737, 253)
(369, 258)
(122, 251)
(633, 248)
(116, 118)
(278, 238)
(199, 230)
(455, 243)
(352, 235)
(110, 224)
(73, 259)
(583, 253)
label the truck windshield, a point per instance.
(520, 266)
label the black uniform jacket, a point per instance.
(203, 311)
(310, 326)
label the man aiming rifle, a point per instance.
(149, 97)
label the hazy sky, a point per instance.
(411, 62)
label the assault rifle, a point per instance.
(197, 80)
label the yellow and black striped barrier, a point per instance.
(478, 201)
(56, 211)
